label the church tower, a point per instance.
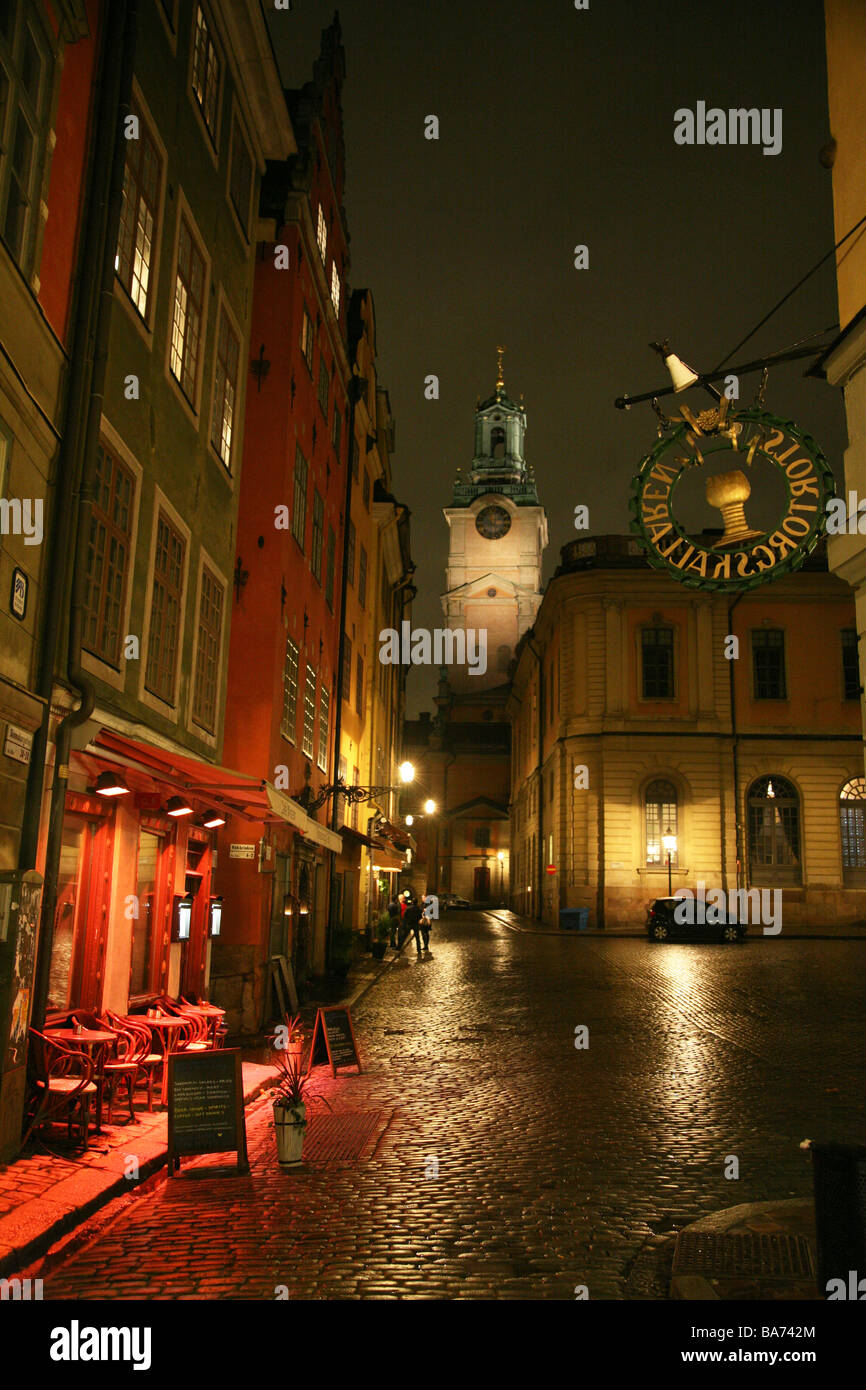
(498, 535)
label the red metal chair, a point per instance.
(62, 1081)
(147, 1059)
(132, 1052)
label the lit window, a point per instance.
(774, 831)
(138, 215)
(335, 287)
(324, 721)
(225, 390)
(322, 234)
(307, 339)
(309, 712)
(186, 333)
(210, 618)
(290, 692)
(205, 73)
(852, 815)
(660, 804)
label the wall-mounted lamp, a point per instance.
(111, 784)
(211, 819)
(178, 806)
(183, 917)
(216, 915)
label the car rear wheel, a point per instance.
(659, 931)
(730, 932)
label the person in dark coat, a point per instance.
(414, 919)
(394, 914)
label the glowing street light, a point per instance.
(407, 772)
(430, 806)
(669, 840)
(410, 820)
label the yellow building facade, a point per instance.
(733, 724)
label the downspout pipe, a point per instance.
(92, 336)
(738, 828)
(540, 735)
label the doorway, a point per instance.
(481, 891)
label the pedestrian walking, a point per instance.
(394, 915)
(414, 920)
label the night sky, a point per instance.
(556, 128)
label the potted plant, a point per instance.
(383, 935)
(291, 1100)
(289, 1038)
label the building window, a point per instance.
(107, 562)
(138, 216)
(307, 339)
(657, 660)
(362, 577)
(144, 924)
(660, 819)
(350, 556)
(318, 527)
(768, 663)
(309, 712)
(241, 176)
(335, 287)
(225, 390)
(336, 429)
(852, 818)
(359, 684)
(324, 726)
(210, 618)
(299, 513)
(322, 234)
(205, 73)
(324, 385)
(165, 610)
(366, 489)
(347, 669)
(850, 664)
(186, 332)
(355, 459)
(24, 120)
(774, 831)
(481, 837)
(330, 567)
(289, 720)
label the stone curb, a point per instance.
(786, 1216)
(528, 928)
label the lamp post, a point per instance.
(669, 840)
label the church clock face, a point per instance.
(493, 522)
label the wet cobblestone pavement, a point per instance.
(506, 1162)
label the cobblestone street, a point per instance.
(504, 1162)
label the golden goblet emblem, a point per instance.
(729, 492)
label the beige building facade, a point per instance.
(629, 723)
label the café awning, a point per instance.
(253, 799)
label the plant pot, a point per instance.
(379, 949)
(289, 1126)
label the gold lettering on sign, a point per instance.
(743, 566)
(682, 560)
(770, 560)
(663, 473)
(801, 528)
(671, 548)
(653, 515)
(658, 531)
(798, 488)
(781, 543)
(723, 568)
(699, 563)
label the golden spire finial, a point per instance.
(500, 380)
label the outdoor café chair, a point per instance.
(63, 1081)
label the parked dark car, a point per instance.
(662, 923)
(450, 902)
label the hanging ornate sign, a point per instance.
(741, 442)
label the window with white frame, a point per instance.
(139, 214)
(322, 234)
(25, 89)
(288, 723)
(307, 339)
(225, 390)
(188, 316)
(335, 287)
(324, 726)
(309, 712)
(205, 72)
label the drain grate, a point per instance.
(331, 1138)
(770, 1255)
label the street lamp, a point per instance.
(669, 840)
(407, 772)
(430, 806)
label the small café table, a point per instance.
(168, 1026)
(93, 1041)
(213, 1016)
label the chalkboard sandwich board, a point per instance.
(206, 1106)
(334, 1040)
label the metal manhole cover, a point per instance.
(770, 1255)
(330, 1138)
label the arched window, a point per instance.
(660, 818)
(774, 831)
(852, 825)
(497, 442)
